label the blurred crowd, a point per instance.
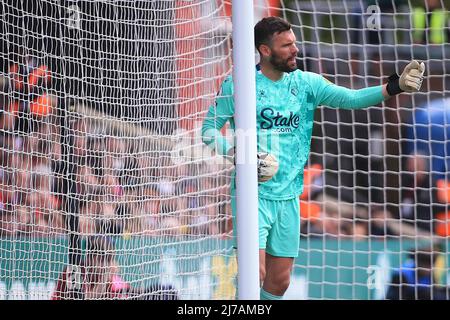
(421, 212)
(127, 185)
(123, 185)
(118, 191)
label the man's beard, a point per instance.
(280, 64)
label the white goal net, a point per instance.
(107, 191)
(374, 218)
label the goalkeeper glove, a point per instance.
(409, 81)
(267, 166)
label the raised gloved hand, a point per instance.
(409, 81)
(412, 76)
(267, 164)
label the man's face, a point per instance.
(283, 51)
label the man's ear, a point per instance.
(265, 50)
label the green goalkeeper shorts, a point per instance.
(279, 226)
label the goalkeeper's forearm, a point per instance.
(344, 98)
(216, 141)
(211, 134)
(409, 81)
(393, 87)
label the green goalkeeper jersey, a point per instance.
(285, 116)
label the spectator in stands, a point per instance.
(95, 154)
(14, 189)
(99, 274)
(427, 132)
(417, 279)
(310, 210)
(7, 224)
(170, 202)
(417, 196)
(356, 230)
(426, 136)
(323, 214)
(108, 222)
(141, 212)
(80, 146)
(171, 226)
(26, 188)
(99, 215)
(418, 204)
(90, 209)
(360, 230)
(7, 119)
(151, 210)
(30, 83)
(113, 164)
(41, 200)
(130, 176)
(88, 182)
(204, 219)
(15, 221)
(431, 23)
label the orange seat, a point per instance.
(309, 174)
(42, 105)
(40, 73)
(443, 224)
(309, 211)
(443, 191)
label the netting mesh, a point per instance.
(100, 108)
(108, 192)
(374, 215)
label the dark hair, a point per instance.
(267, 27)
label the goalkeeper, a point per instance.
(285, 102)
